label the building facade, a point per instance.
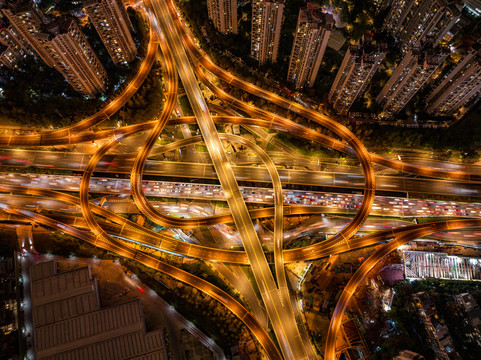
(71, 55)
(113, 26)
(459, 90)
(357, 69)
(312, 34)
(223, 13)
(26, 19)
(473, 6)
(397, 14)
(413, 71)
(12, 46)
(412, 21)
(266, 29)
(60, 44)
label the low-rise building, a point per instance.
(69, 321)
(408, 355)
(470, 306)
(438, 333)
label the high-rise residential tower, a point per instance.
(413, 71)
(459, 89)
(71, 54)
(312, 34)
(357, 69)
(60, 44)
(223, 14)
(266, 29)
(113, 25)
(397, 14)
(412, 21)
(26, 19)
(13, 46)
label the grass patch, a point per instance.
(250, 276)
(200, 148)
(185, 106)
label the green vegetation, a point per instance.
(63, 6)
(163, 142)
(147, 101)
(60, 243)
(37, 95)
(206, 313)
(8, 242)
(423, 220)
(219, 203)
(200, 148)
(306, 147)
(326, 75)
(410, 331)
(195, 12)
(162, 199)
(202, 270)
(359, 13)
(250, 276)
(185, 106)
(464, 136)
(362, 17)
(300, 242)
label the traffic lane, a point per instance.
(321, 249)
(227, 179)
(385, 162)
(327, 202)
(312, 115)
(352, 285)
(138, 233)
(306, 253)
(178, 274)
(113, 163)
(356, 149)
(137, 170)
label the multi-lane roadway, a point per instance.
(279, 311)
(253, 173)
(318, 202)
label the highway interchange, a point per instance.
(182, 57)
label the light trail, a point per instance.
(113, 246)
(281, 316)
(274, 297)
(137, 170)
